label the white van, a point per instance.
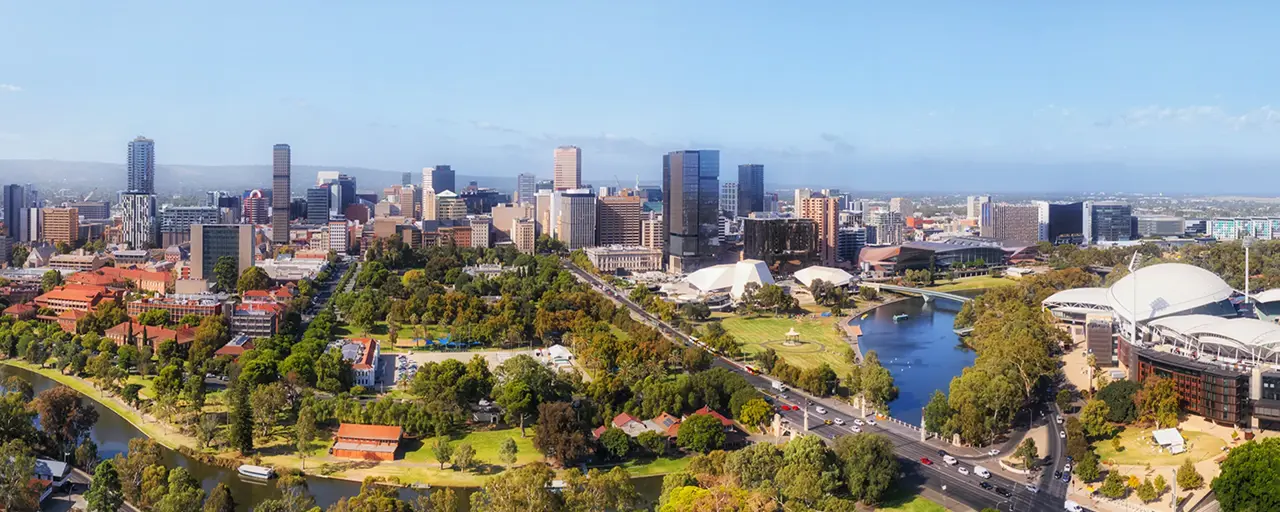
(1071, 506)
(981, 471)
(951, 461)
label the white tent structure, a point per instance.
(732, 277)
(1170, 439)
(831, 275)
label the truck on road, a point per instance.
(778, 387)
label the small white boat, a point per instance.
(252, 471)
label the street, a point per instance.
(940, 477)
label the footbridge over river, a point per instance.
(928, 295)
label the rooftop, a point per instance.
(375, 432)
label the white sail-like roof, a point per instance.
(732, 277)
(1165, 289)
(1090, 298)
(831, 275)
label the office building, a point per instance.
(850, 240)
(92, 210)
(406, 178)
(481, 225)
(1108, 221)
(15, 199)
(281, 168)
(410, 199)
(1160, 226)
(729, 199)
(212, 241)
(32, 224)
(543, 201)
(438, 179)
(576, 218)
(902, 205)
(651, 234)
(770, 202)
(142, 166)
(1016, 223)
(691, 208)
(526, 187)
(449, 206)
(800, 195)
(336, 238)
(61, 225)
(568, 168)
(825, 212)
(524, 234)
(138, 226)
(974, 206)
(1061, 223)
(887, 226)
(503, 215)
(614, 258)
(783, 243)
(618, 218)
(318, 207)
(176, 222)
(750, 189)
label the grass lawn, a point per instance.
(1138, 451)
(974, 283)
(486, 444)
(660, 466)
(821, 342)
(380, 332)
(904, 500)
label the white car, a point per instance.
(871, 421)
(1032, 488)
(1062, 434)
(993, 452)
(963, 470)
(838, 421)
(857, 422)
(1066, 468)
(855, 429)
(820, 410)
(951, 461)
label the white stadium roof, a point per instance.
(1166, 289)
(1258, 339)
(1085, 298)
(732, 277)
(831, 275)
(1272, 295)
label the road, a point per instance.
(941, 478)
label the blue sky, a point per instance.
(811, 89)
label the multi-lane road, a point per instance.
(946, 480)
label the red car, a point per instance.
(926, 461)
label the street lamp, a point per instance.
(946, 501)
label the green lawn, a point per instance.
(973, 283)
(905, 500)
(380, 332)
(660, 466)
(821, 343)
(1138, 449)
(486, 444)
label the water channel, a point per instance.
(923, 351)
(112, 434)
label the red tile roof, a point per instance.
(668, 422)
(366, 355)
(74, 293)
(153, 333)
(378, 432)
(17, 309)
(623, 419)
(708, 411)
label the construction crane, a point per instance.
(617, 182)
(89, 195)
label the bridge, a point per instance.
(906, 290)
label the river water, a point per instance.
(112, 434)
(923, 351)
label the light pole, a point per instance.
(946, 500)
(1248, 241)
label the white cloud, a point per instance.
(492, 127)
(10, 88)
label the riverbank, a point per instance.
(851, 333)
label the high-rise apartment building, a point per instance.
(481, 227)
(318, 208)
(800, 195)
(176, 222)
(92, 210)
(750, 189)
(430, 207)
(142, 166)
(255, 208)
(825, 212)
(212, 241)
(888, 226)
(543, 201)
(439, 179)
(1016, 223)
(850, 240)
(523, 234)
(729, 199)
(410, 202)
(576, 218)
(406, 178)
(902, 205)
(449, 206)
(526, 187)
(568, 168)
(1061, 223)
(15, 199)
(61, 225)
(974, 206)
(618, 219)
(691, 208)
(138, 226)
(651, 234)
(281, 169)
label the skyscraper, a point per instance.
(902, 205)
(691, 207)
(176, 222)
(1108, 221)
(406, 178)
(318, 199)
(212, 241)
(576, 218)
(526, 187)
(281, 167)
(61, 225)
(974, 206)
(15, 199)
(255, 208)
(438, 179)
(142, 166)
(138, 225)
(568, 167)
(1017, 223)
(750, 189)
(618, 220)
(825, 213)
(729, 199)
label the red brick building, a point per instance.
(366, 442)
(149, 333)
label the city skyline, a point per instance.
(1063, 92)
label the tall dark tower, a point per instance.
(280, 169)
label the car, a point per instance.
(951, 461)
(963, 470)
(857, 422)
(1032, 488)
(941, 453)
(985, 485)
(1059, 419)
(1066, 477)
(1070, 459)
(826, 422)
(839, 421)
(926, 461)
(820, 409)
(871, 421)
(1057, 475)
(993, 452)
(1062, 434)
(1003, 492)
(855, 429)
(1066, 468)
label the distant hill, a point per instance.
(181, 178)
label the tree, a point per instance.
(464, 457)
(154, 317)
(1028, 453)
(17, 490)
(253, 278)
(1188, 477)
(755, 465)
(86, 453)
(442, 450)
(50, 280)
(937, 413)
(1160, 484)
(870, 466)
(220, 500)
(507, 451)
(701, 433)
(868, 293)
(225, 273)
(755, 413)
(1113, 487)
(1147, 491)
(1119, 397)
(1094, 419)
(304, 431)
(1157, 402)
(616, 443)
(1087, 467)
(599, 490)
(1063, 399)
(184, 493)
(559, 435)
(241, 432)
(440, 500)
(519, 490)
(17, 420)
(19, 255)
(653, 443)
(267, 401)
(64, 417)
(154, 486)
(104, 489)
(1249, 476)
(874, 382)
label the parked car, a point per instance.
(993, 452)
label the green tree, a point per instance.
(937, 413)
(220, 500)
(241, 431)
(1094, 419)
(1157, 402)
(464, 456)
(225, 273)
(1028, 453)
(870, 466)
(304, 432)
(599, 490)
(507, 451)
(1063, 399)
(519, 490)
(701, 433)
(1087, 467)
(104, 489)
(154, 317)
(616, 443)
(64, 416)
(559, 434)
(756, 413)
(1119, 397)
(184, 493)
(1249, 477)
(652, 442)
(755, 465)
(873, 382)
(1147, 491)
(1114, 485)
(86, 453)
(50, 280)
(1188, 477)
(253, 278)
(442, 450)
(1160, 484)
(17, 491)
(19, 255)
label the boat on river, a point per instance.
(259, 472)
(899, 317)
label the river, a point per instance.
(923, 351)
(112, 434)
